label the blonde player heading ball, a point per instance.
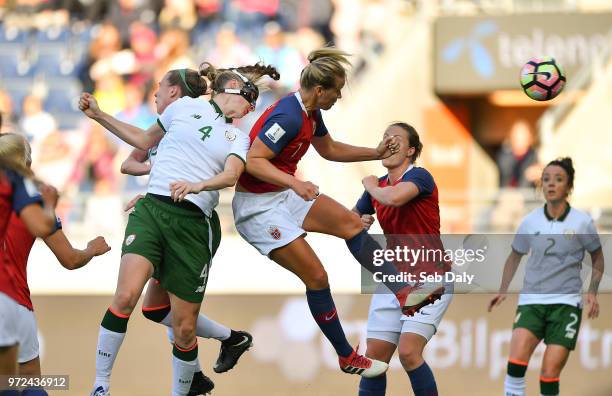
(550, 304)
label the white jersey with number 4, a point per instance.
(196, 143)
(556, 247)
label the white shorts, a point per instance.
(28, 335)
(386, 321)
(18, 326)
(269, 221)
(9, 318)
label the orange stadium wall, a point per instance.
(468, 355)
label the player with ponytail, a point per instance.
(268, 195)
(174, 231)
(556, 238)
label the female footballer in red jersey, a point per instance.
(406, 204)
(273, 210)
(19, 194)
(17, 246)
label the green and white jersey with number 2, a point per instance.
(556, 247)
(196, 143)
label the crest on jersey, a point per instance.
(274, 232)
(569, 234)
(230, 136)
(129, 239)
(275, 132)
(196, 116)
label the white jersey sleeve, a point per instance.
(240, 145)
(520, 244)
(165, 119)
(589, 239)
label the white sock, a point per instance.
(514, 386)
(205, 327)
(109, 343)
(182, 374)
(171, 339)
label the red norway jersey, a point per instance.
(15, 194)
(416, 224)
(287, 129)
(17, 246)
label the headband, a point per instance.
(182, 74)
(249, 91)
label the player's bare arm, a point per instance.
(136, 163)
(394, 196)
(259, 165)
(130, 134)
(512, 263)
(336, 151)
(234, 167)
(597, 258)
(71, 258)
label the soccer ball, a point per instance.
(542, 78)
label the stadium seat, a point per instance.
(12, 35)
(14, 61)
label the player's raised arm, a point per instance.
(130, 134)
(136, 163)
(332, 150)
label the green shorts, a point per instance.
(178, 242)
(557, 324)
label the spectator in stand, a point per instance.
(35, 123)
(94, 170)
(229, 50)
(142, 42)
(275, 51)
(7, 113)
(136, 112)
(517, 159)
(178, 14)
(106, 43)
(110, 90)
(122, 13)
(251, 15)
(297, 14)
(172, 53)
(209, 10)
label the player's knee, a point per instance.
(352, 224)
(317, 279)
(125, 301)
(551, 371)
(376, 354)
(184, 333)
(410, 357)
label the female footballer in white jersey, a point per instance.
(166, 237)
(550, 304)
(156, 303)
